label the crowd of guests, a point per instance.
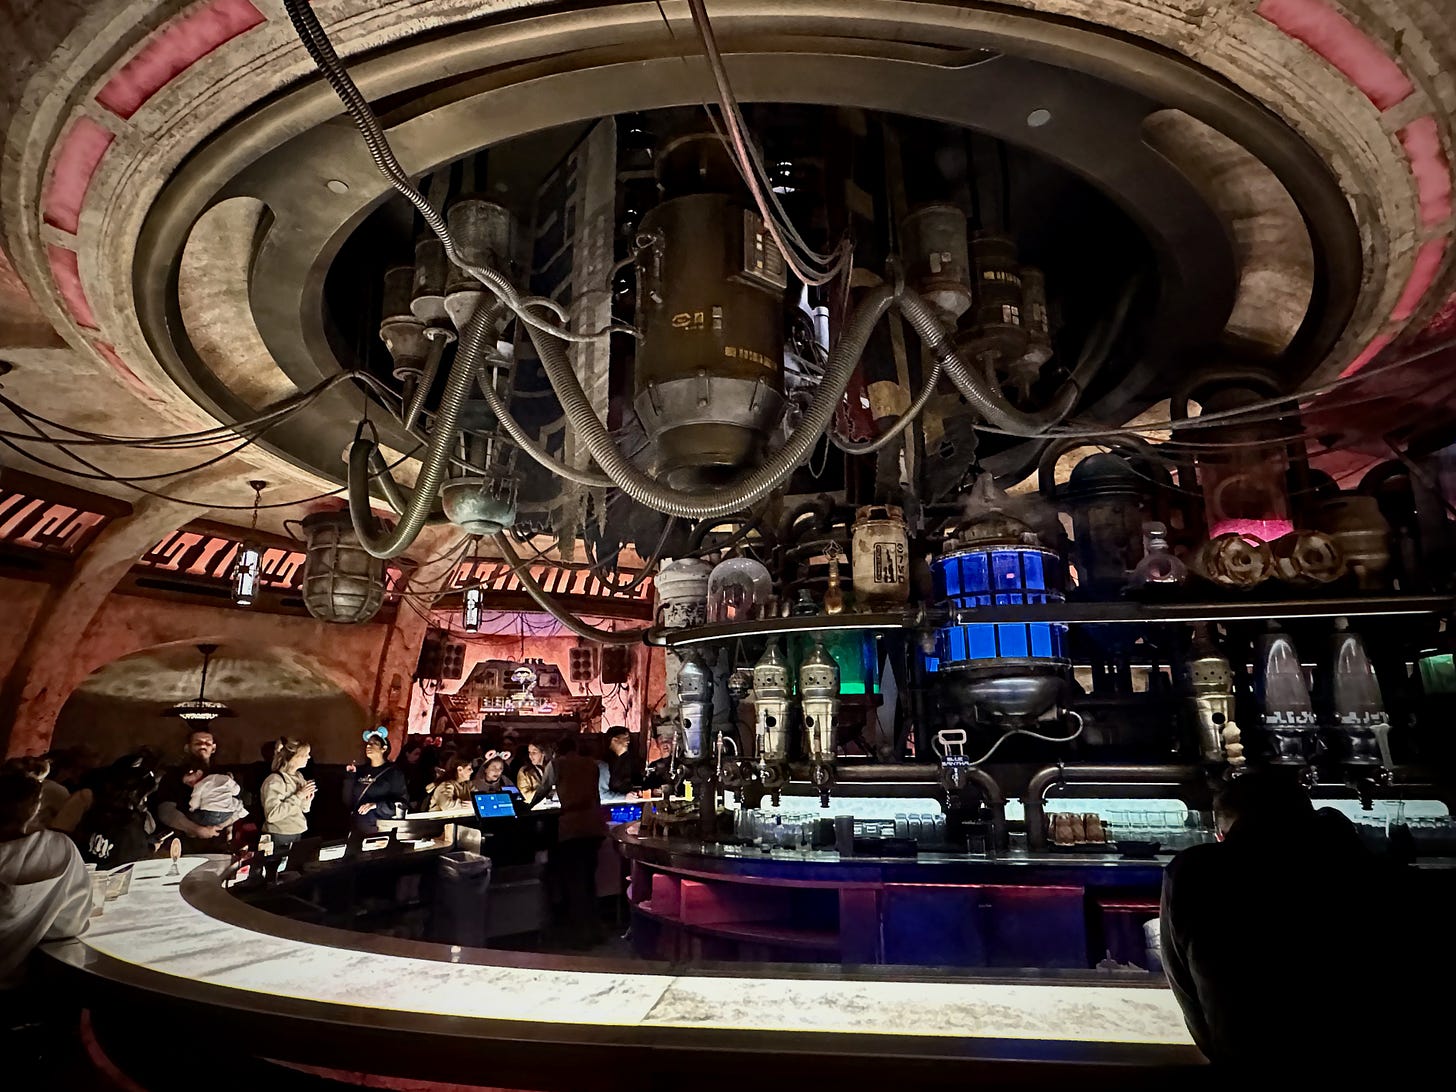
(60, 814)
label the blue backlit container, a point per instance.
(1012, 671)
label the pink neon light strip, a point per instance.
(129, 377)
(177, 47)
(1422, 143)
(76, 159)
(67, 274)
(1423, 275)
(1343, 44)
(1374, 349)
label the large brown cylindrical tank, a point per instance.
(709, 378)
(341, 581)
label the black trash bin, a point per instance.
(461, 889)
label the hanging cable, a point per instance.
(561, 614)
(801, 258)
(316, 41)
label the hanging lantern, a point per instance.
(341, 581)
(201, 710)
(248, 564)
(474, 604)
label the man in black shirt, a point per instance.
(624, 766)
(173, 798)
(1290, 946)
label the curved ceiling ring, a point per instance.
(506, 101)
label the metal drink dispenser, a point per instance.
(772, 705)
(819, 703)
(1358, 706)
(1289, 720)
(1211, 680)
(695, 693)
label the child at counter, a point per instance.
(215, 800)
(492, 775)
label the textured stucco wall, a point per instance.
(21, 601)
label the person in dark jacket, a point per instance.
(624, 765)
(118, 829)
(1281, 940)
(573, 859)
(377, 790)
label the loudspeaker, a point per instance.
(616, 665)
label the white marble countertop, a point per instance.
(154, 928)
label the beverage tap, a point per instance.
(819, 703)
(772, 712)
(1289, 720)
(699, 764)
(1358, 712)
(1211, 681)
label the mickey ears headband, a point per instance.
(504, 756)
(381, 733)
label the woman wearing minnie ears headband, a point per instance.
(491, 774)
(377, 790)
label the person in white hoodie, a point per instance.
(45, 892)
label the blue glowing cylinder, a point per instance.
(1004, 671)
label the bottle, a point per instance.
(833, 594)
(1159, 566)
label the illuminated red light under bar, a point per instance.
(179, 45)
(1343, 44)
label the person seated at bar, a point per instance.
(415, 769)
(449, 794)
(1283, 933)
(573, 859)
(537, 777)
(625, 767)
(215, 800)
(491, 777)
(377, 790)
(285, 796)
(53, 795)
(118, 829)
(45, 891)
(173, 798)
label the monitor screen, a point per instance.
(494, 805)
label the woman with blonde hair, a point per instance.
(286, 796)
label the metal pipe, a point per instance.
(985, 400)
(432, 469)
(928, 772)
(1034, 799)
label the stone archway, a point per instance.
(274, 691)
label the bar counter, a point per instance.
(303, 992)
